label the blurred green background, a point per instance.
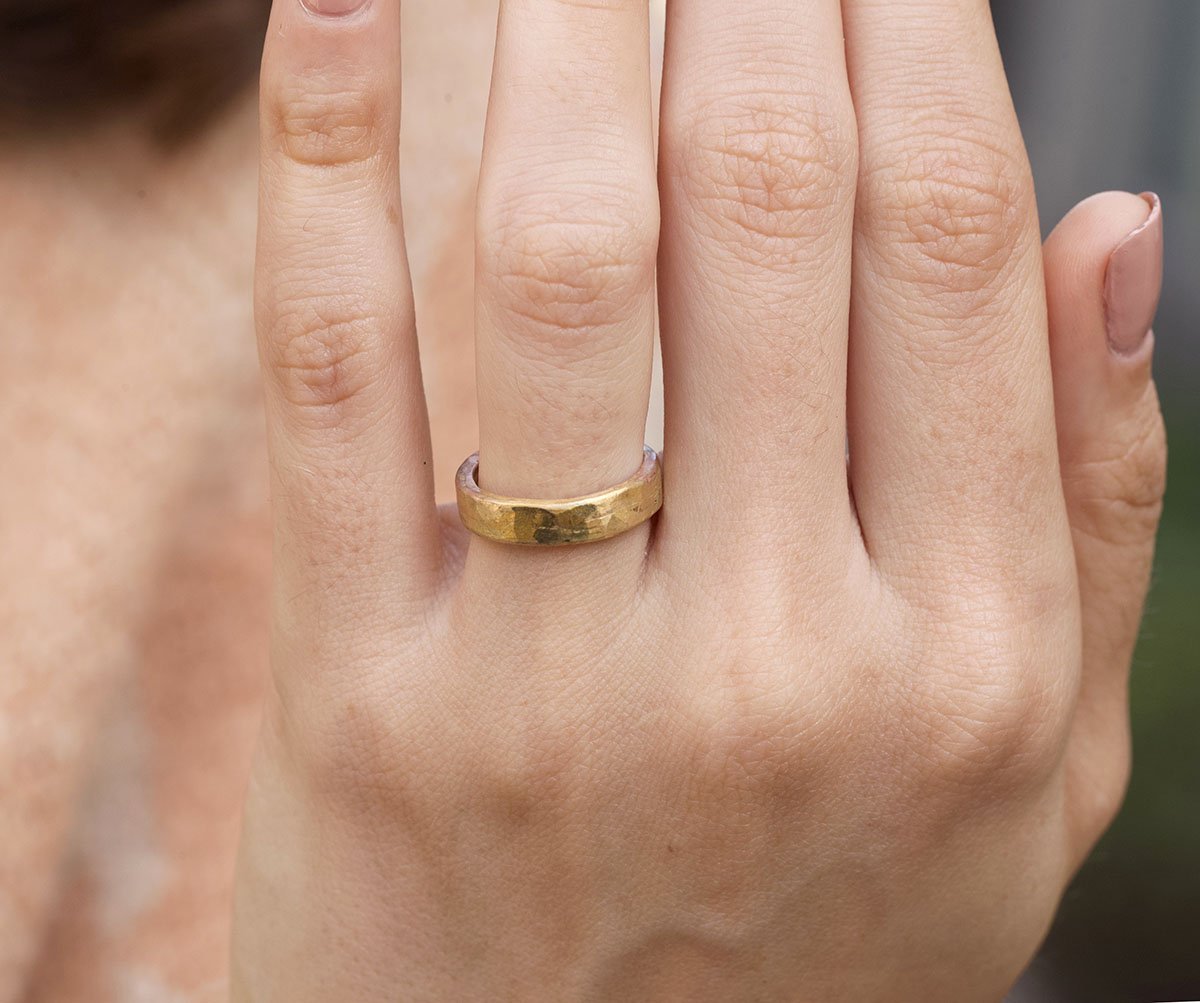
(1109, 97)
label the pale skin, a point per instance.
(822, 733)
(785, 746)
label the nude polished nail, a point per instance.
(1133, 284)
(334, 8)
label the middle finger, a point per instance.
(567, 230)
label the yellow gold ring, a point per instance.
(560, 522)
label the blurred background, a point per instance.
(1109, 96)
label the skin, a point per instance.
(820, 694)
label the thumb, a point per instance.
(1103, 280)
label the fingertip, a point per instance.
(1104, 268)
(1105, 218)
(1079, 248)
(320, 44)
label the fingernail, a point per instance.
(334, 8)
(1134, 283)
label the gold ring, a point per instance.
(560, 522)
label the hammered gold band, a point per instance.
(560, 522)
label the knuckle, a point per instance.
(316, 124)
(997, 723)
(558, 268)
(763, 174)
(951, 216)
(1118, 497)
(318, 352)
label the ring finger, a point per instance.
(567, 235)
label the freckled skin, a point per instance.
(132, 437)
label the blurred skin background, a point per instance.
(1109, 96)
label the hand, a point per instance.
(824, 732)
